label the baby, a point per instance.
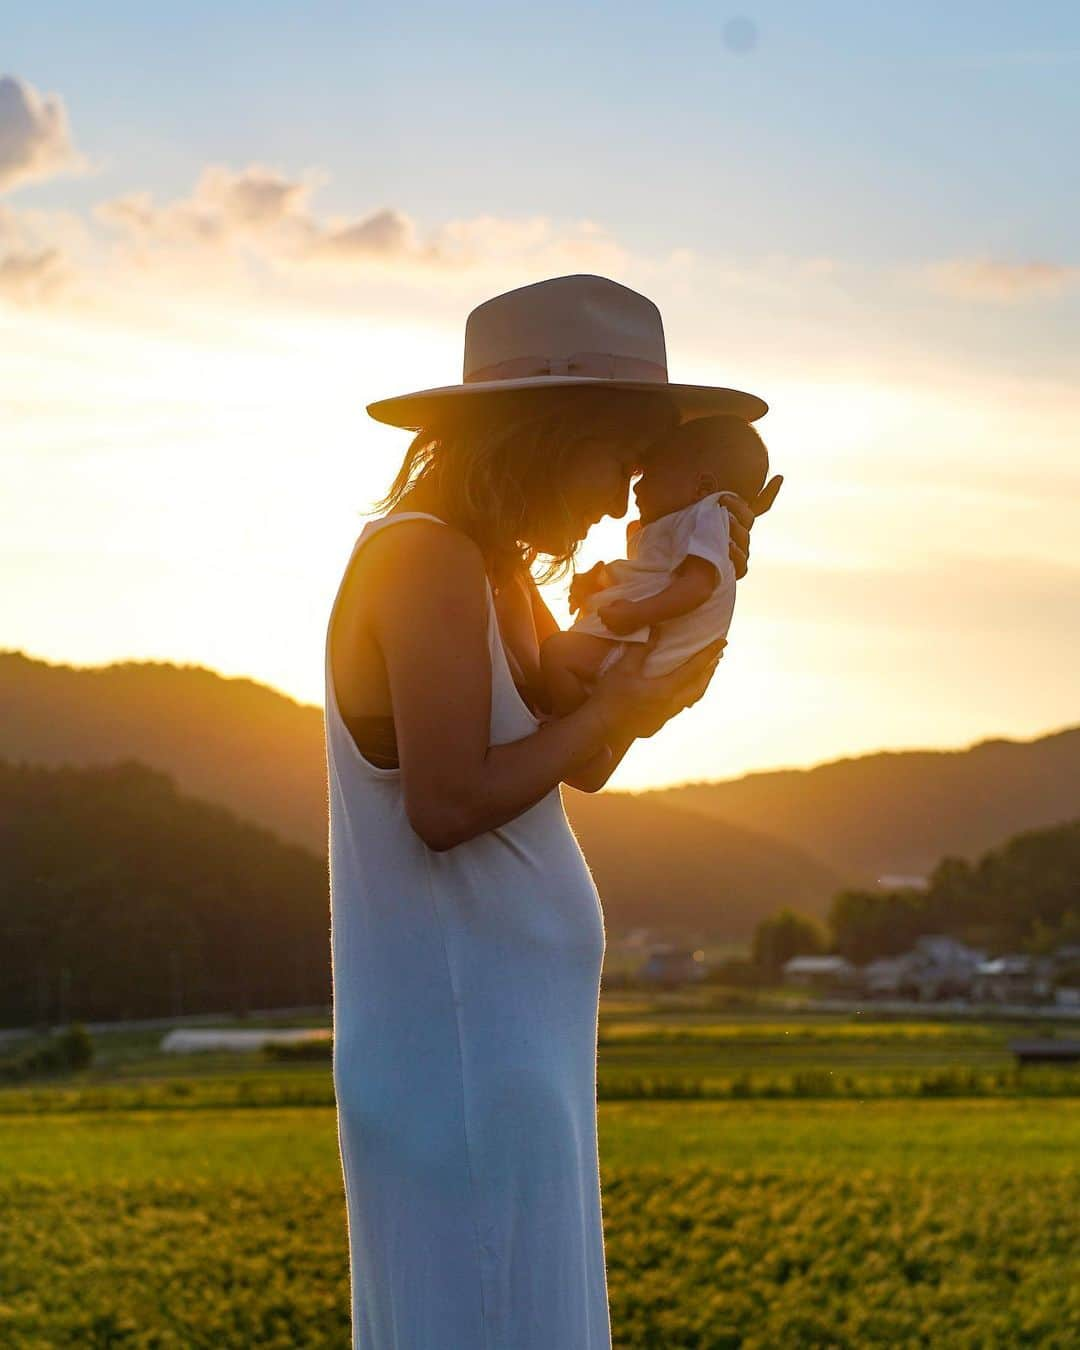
(677, 573)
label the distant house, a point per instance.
(1014, 979)
(887, 977)
(818, 972)
(942, 967)
(937, 967)
(668, 964)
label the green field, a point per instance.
(138, 1212)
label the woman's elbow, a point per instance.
(442, 825)
(595, 776)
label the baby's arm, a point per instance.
(694, 581)
(570, 662)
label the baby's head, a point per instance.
(705, 455)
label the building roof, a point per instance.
(816, 965)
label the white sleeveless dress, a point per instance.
(466, 987)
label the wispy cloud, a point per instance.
(36, 255)
(260, 211)
(998, 279)
(954, 595)
(33, 277)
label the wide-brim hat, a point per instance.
(576, 330)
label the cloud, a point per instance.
(36, 255)
(994, 279)
(224, 208)
(35, 140)
(383, 234)
(35, 144)
(33, 278)
(252, 236)
(1009, 596)
(258, 210)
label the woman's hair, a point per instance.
(497, 463)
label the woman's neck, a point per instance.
(426, 497)
(422, 497)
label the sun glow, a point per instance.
(191, 494)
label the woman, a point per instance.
(467, 933)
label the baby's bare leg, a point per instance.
(570, 662)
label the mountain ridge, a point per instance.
(901, 811)
(232, 740)
(239, 744)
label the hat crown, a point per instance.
(576, 331)
(582, 324)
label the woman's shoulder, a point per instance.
(416, 545)
(412, 565)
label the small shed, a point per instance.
(1014, 979)
(189, 1040)
(1049, 1051)
(818, 971)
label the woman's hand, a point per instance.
(743, 515)
(633, 704)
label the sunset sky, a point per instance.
(224, 229)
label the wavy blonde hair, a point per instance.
(496, 462)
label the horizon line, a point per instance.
(264, 686)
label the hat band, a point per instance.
(591, 365)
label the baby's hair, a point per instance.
(730, 447)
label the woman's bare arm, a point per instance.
(594, 774)
(429, 613)
(429, 618)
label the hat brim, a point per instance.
(412, 411)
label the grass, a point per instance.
(783, 1137)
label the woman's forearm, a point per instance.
(593, 776)
(514, 776)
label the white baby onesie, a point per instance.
(654, 552)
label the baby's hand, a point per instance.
(621, 616)
(587, 583)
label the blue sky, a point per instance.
(865, 212)
(873, 129)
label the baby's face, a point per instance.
(669, 482)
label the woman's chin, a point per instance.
(552, 547)
(558, 541)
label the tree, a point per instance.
(122, 897)
(1024, 894)
(784, 935)
(866, 925)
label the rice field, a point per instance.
(174, 1219)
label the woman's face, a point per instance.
(597, 481)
